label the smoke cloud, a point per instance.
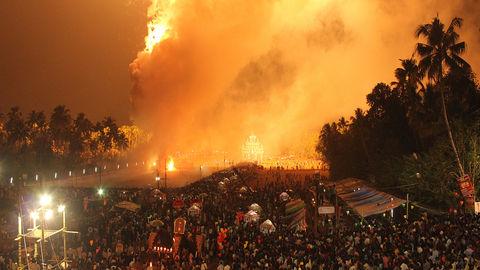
(275, 68)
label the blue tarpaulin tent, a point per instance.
(363, 199)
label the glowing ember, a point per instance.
(170, 165)
(160, 14)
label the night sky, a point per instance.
(74, 53)
(77, 52)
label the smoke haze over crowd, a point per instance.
(278, 69)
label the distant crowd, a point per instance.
(219, 236)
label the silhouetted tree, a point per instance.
(439, 55)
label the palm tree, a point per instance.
(411, 90)
(60, 129)
(439, 55)
(409, 79)
(359, 126)
(15, 128)
(60, 122)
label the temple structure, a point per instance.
(252, 149)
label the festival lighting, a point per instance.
(170, 165)
(100, 191)
(48, 214)
(45, 200)
(61, 208)
(34, 215)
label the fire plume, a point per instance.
(160, 13)
(170, 164)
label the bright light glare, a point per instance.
(100, 191)
(170, 165)
(45, 199)
(34, 215)
(48, 214)
(61, 208)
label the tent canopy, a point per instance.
(267, 226)
(251, 216)
(363, 199)
(255, 207)
(128, 205)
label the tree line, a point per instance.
(419, 132)
(39, 143)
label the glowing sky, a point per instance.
(78, 53)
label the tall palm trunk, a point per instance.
(449, 130)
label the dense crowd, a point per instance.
(219, 238)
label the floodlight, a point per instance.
(48, 214)
(34, 215)
(45, 199)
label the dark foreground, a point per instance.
(222, 236)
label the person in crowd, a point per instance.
(219, 238)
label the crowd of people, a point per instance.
(219, 237)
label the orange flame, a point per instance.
(160, 13)
(170, 165)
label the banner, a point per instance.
(326, 210)
(179, 225)
(466, 188)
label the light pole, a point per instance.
(165, 173)
(336, 222)
(40, 233)
(61, 209)
(157, 179)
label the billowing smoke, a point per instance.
(275, 68)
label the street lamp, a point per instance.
(41, 233)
